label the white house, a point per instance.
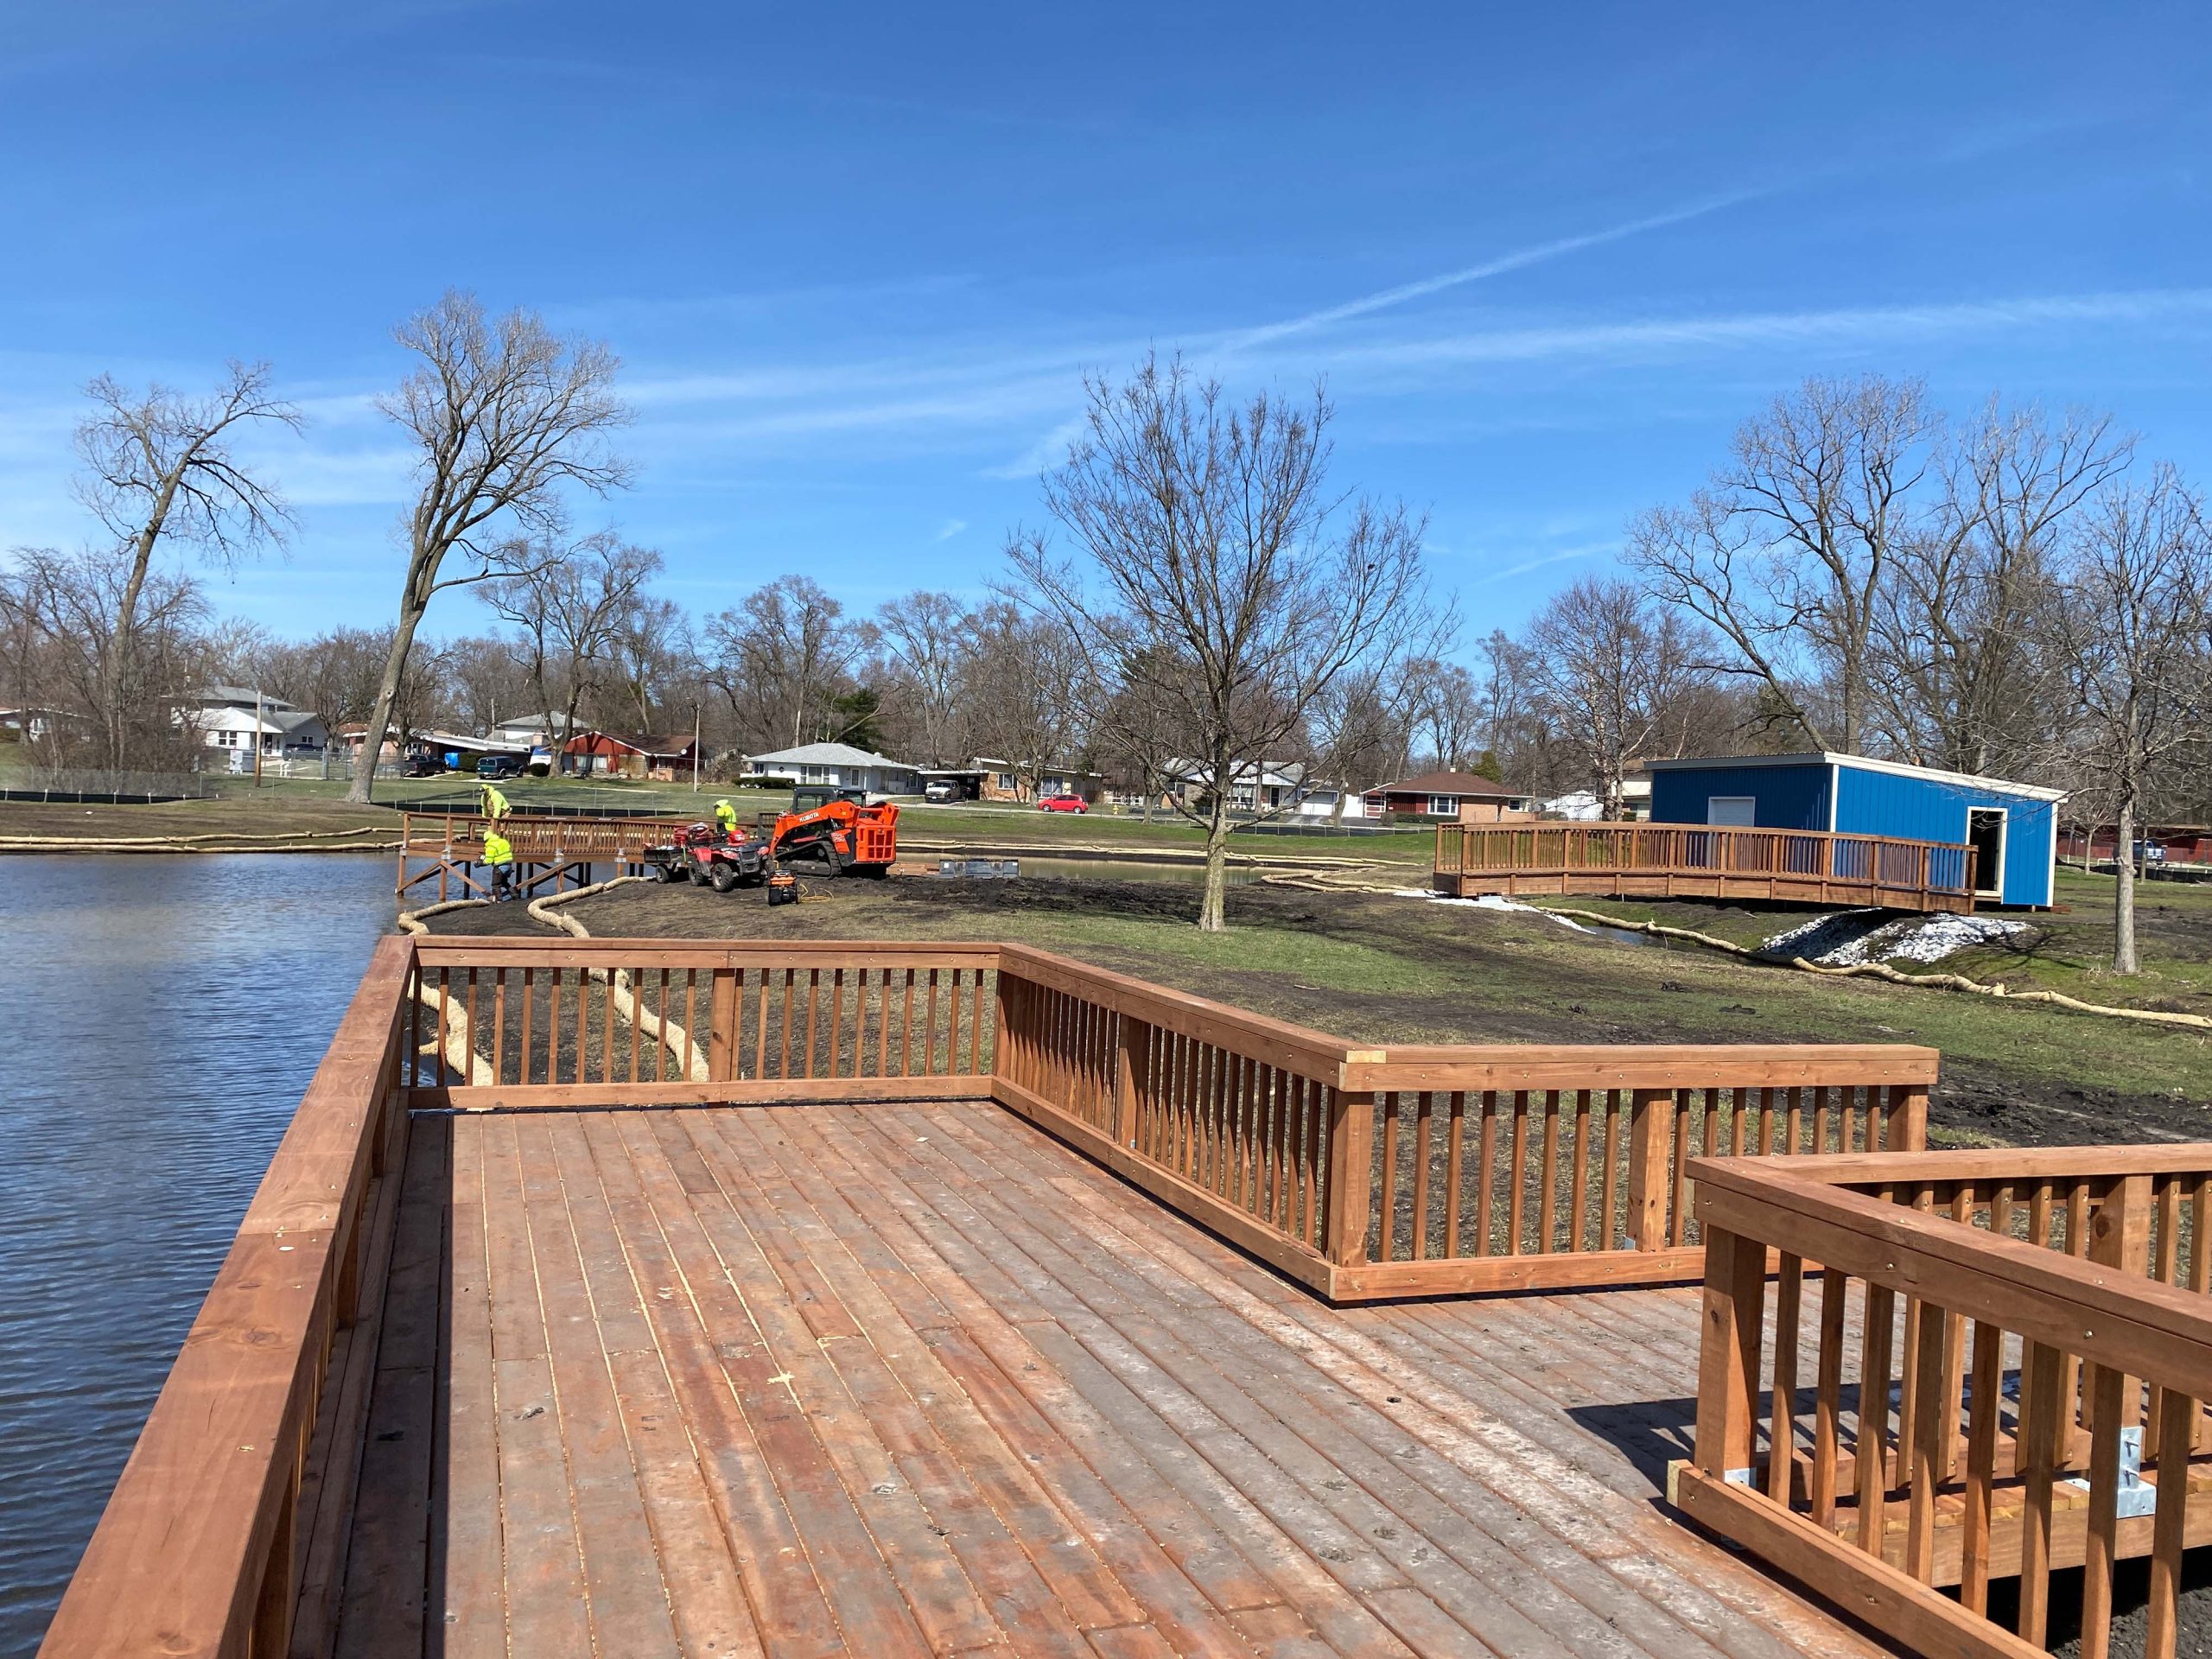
(236, 718)
(839, 765)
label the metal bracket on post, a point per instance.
(2137, 1496)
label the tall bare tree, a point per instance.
(2139, 591)
(505, 415)
(159, 466)
(926, 638)
(1447, 712)
(1968, 678)
(1218, 571)
(1789, 551)
(1613, 671)
(779, 657)
(571, 605)
(1030, 682)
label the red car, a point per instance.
(1062, 804)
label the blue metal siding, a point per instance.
(1933, 809)
(1787, 797)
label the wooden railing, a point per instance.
(221, 1528)
(538, 839)
(2033, 1346)
(1661, 859)
(523, 1021)
(224, 1533)
(1374, 1173)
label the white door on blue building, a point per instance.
(1731, 812)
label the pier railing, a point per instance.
(1694, 860)
(1362, 1172)
(2033, 1354)
(448, 847)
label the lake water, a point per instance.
(165, 1015)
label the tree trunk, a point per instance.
(2123, 898)
(1212, 917)
(395, 669)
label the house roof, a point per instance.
(641, 742)
(1452, 782)
(827, 754)
(237, 694)
(1859, 763)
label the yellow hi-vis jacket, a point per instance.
(495, 804)
(497, 848)
(725, 817)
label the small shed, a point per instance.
(2013, 827)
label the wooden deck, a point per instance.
(917, 1378)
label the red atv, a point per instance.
(702, 853)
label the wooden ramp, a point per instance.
(908, 1378)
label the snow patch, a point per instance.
(1487, 901)
(1855, 936)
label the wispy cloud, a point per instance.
(1518, 259)
(952, 527)
(1792, 329)
(1561, 556)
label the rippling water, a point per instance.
(164, 1016)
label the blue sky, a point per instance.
(856, 258)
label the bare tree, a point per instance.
(1447, 711)
(1968, 680)
(571, 605)
(503, 415)
(1031, 683)
(68, 609)
(1789, 552)
(778, 657)
(160, 468)
(2138, 579)
(926, 637)
(1218, 571)
(1612, 671)
(654, 658)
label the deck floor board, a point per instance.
(916, 1378)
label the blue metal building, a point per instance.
(2012, 826)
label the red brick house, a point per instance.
(1454, 797)
(607, 755)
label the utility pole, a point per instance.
(695, 747)
(256, 736)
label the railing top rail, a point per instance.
(1996, 1164)
(1653, 1065)
(1647, 826)
(2150, 1329)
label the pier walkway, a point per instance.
(916, 1379)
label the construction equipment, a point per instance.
(830, 831)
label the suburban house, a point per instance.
(535, 738)
(2013, 827)
(1587, 806)
(986, 778)
(609, 754)
(1460, 797)
(36, 725)
(1254, 786)
(237, 720)
(839, 765)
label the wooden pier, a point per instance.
(551, 854)
(1680, 860)
(682, 1296)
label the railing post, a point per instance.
(1002, 993)
(1904, 1123)
(1132, 1060)
(1650, 1119)
(1728, 1355)
(1351, 1155)
(2120, 1238)
(722, 1027)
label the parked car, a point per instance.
(940, 789)
(422, 766)
(498, 765)
(1062, 804)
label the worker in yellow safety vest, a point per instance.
(725, 818)
(499, 856)
(495, 807)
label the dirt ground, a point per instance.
(1380, 969)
